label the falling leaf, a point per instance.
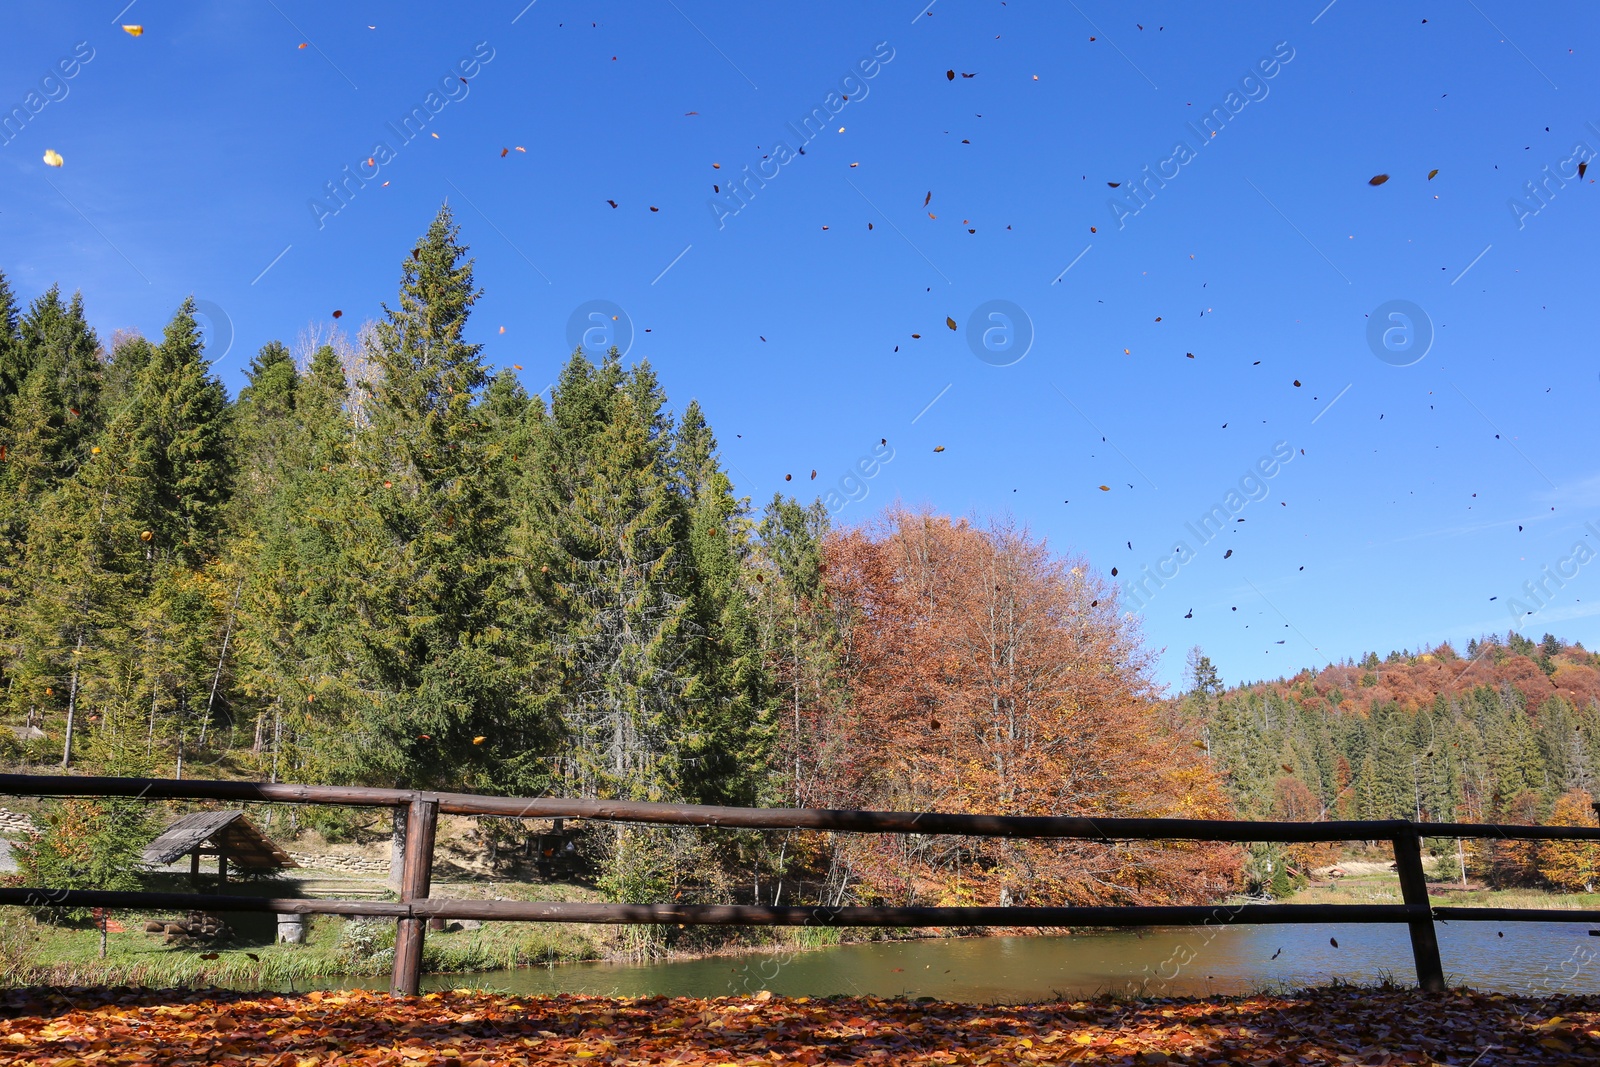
(1581, 168)
(502, 329)
(654, 208)
(302, 45)
(480, 739)
(1433, 173)
(133, 31)
(146, 535)
(208, 955)
(1228, 554)
(948, 321)
(1297, 383)
(516, 366)
(1377, 179)
(950, 75)
(788, 477)
(52, 158)
(1114, 185)
(504, 152)
(1105, 489)
(938, 448)
(338, 314)
(613, 203)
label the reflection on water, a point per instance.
(1535, 958)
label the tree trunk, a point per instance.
(397, 850)
(277, 736)
(72, 704)
(150, 738)
(227, 634)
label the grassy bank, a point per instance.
(65, 953)
(1384, 888)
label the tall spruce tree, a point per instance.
(429, 679)
(618, 582)
(727, 724)
(12, 370)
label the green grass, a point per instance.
(45, 953)
(1385, 889)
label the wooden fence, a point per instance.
(416, 906)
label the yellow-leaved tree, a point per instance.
(1572, 865)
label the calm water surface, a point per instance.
(1532, 958)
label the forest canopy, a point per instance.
(382, 563)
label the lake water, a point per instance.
(1533, 958)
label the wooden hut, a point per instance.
(227, 835)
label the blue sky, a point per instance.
(1426, 495)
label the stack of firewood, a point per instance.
(199, 927)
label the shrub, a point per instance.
(86, 844)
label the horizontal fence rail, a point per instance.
(422, 809)
(737, 914)
(838, 820)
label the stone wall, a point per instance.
(14, 822)
(331, 861)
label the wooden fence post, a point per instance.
(422, 818)
(1414, 891)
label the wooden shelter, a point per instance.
(227, 835)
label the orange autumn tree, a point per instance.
(989, 676)
(1571, 865)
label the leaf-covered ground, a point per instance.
(69, 1028)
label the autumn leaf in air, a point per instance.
(52, 158)
(133, 31)
(1377, 179)
(948, 321)
(938, 448)
(1433, 173)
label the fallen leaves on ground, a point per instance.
(68, 1028)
